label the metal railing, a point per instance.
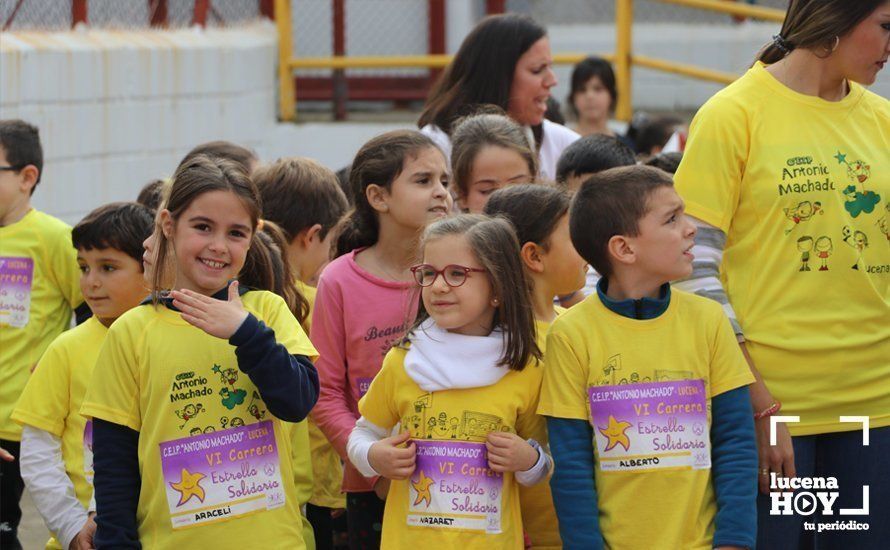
(623, 59)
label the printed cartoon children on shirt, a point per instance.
(857, 240)
(823, 248)
(805, 246)
(804, 211)
(188, 412)
(858, 198)
(231, 397)
(883, 222)
(254, 406)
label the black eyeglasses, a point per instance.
(454, 275)
(11, 168)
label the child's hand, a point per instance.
(5, 455)
(507, 452)
(84, 539)
(392, 461)
(215, 317)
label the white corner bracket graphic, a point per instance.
(773, 420)
(862, 420)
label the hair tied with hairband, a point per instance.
(782, 44)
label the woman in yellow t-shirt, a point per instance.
(787, 173)
(192, 398)
(540, 215)
(464, 389)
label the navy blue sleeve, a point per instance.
(734, 468)
(573, 485)
(117, 484)
(287, 383)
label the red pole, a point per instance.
(199, 16)
(267, 9)
(341, 92)
(436, 32)
(495, 6)
(78, 12)
(157, 13)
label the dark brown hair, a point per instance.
(152, 193)
(482, 69)
(474, 133)
(592, 154)
(495, 245)
(534, 210)
(611, 203)
(203, 174)
(21, 145)
(119, 225)
(585, 70)
(814, 24)
(298, 193)
(379, 162)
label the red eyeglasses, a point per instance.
(454, 275)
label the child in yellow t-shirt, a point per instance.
(645, 389)
(56, 455)
(540, 215)
(38, 290)
(191, 398)
(464, 389)
(305, 200)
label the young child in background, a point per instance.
(488, 152)
(540, 215)
(56, 454)
(38, 290)
(304, 198)
(593, 96)
(590, 155)
(191, 395)
(464, 388)
(365, 300)
(645, 388)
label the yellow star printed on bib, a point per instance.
(615, 431)
(422, 486)
(189, 486)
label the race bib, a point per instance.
(651, 426)
(453, 488)
(222, 475)
(88, 452)
(16, 276)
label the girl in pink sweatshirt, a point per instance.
(366, 298)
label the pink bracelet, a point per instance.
(769, 411)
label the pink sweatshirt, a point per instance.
(356, 320)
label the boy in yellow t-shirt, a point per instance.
(304, 199)
(38, 290)
(56, 453)
(645, 389)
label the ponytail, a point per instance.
(378, 162)
(266, 268)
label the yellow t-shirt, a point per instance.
(215, 464)
(646, 387)
(39, 286)
(453, 500)
(536, 502)
(801, 187)
(327, 469)
(52, 399)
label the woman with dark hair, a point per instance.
(504, 61)
(788, 162)
(593, 96)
